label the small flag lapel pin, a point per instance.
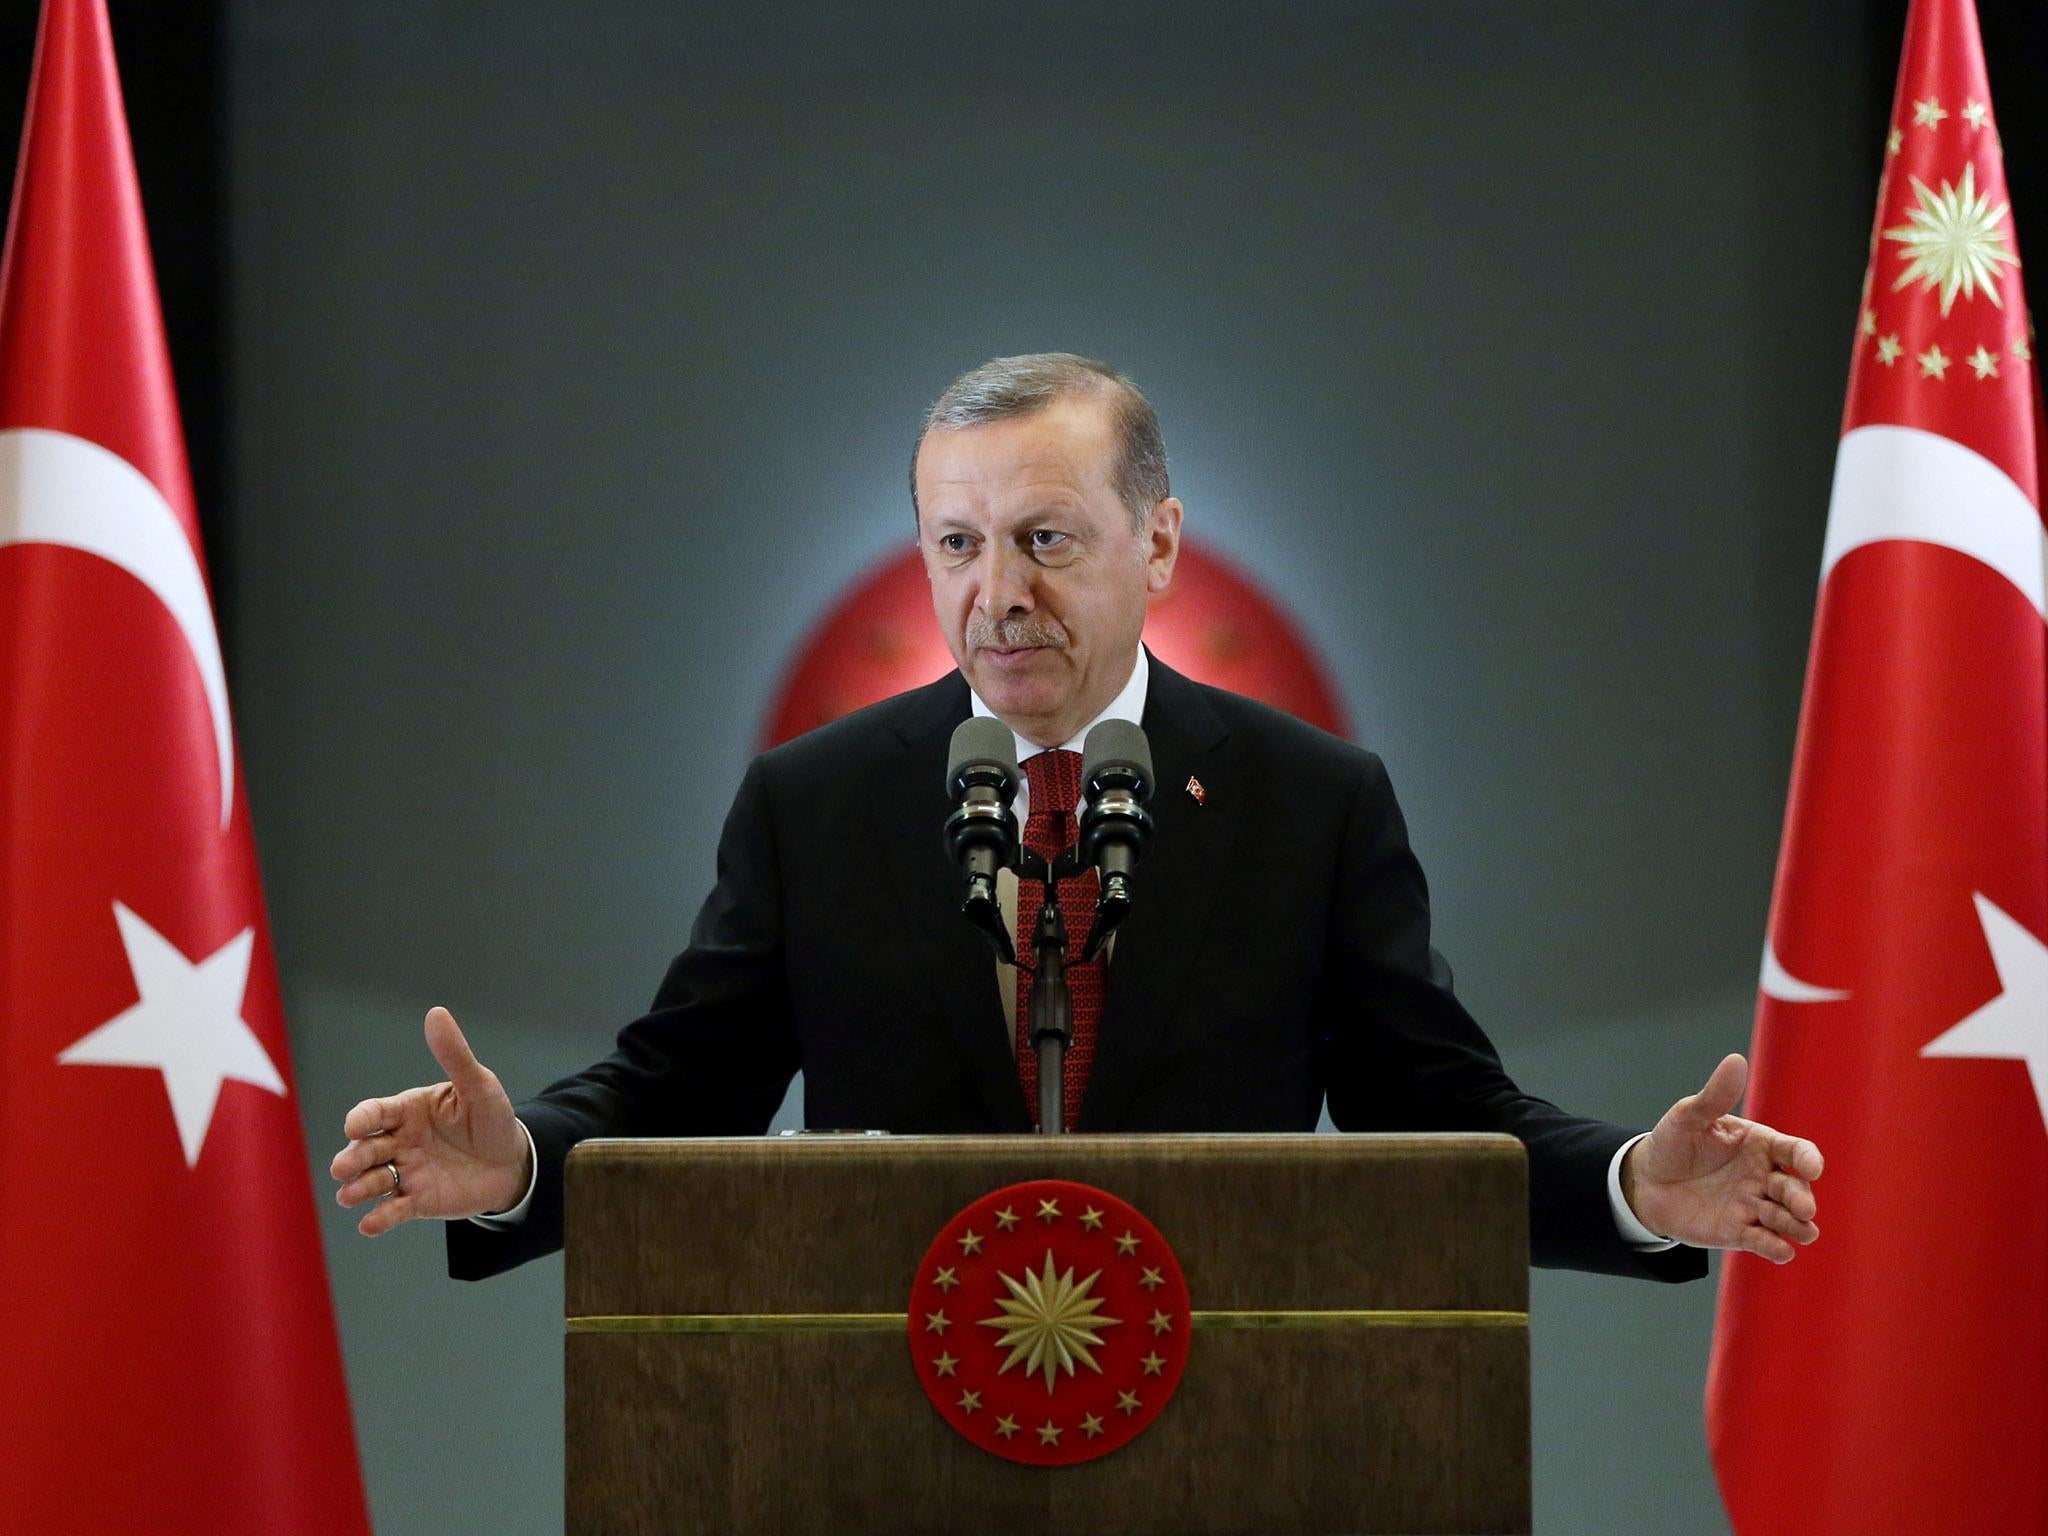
(1195, 788)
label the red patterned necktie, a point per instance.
(1055, 779)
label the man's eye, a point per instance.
(1047, 538)
(954, 543)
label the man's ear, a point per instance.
(1162, 545)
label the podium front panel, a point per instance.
(737, 1358)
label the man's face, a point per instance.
(1038, 578)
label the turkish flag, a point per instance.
(168, 1360)
(1894, 1378)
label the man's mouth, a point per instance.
(1010, 655)
(1014, 643)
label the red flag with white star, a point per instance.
(1894, 1378)
(170, 1360)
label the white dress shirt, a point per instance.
(1129, 704)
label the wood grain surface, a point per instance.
(1287, 1430)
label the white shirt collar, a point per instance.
(1127, 705)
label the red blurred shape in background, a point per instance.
(1215, 625)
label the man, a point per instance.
(1278, 955)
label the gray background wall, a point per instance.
(575, 352)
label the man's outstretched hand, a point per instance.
(1709, 1178)
(457, 1147)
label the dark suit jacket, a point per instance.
(1277, 954)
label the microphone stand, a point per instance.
(1052, 1004)
(1052, 1016)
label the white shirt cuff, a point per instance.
(1633, 1232)
(517, 1213)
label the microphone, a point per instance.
(1116, 783)
(981, 833)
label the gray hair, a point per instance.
(1004, 387)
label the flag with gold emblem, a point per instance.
(1895, 1378)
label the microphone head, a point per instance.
(1116, 753)
(984, 752)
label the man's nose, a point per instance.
(1007, 582)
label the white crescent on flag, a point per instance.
(1779, 983)
(63, 490)
(1905, 483)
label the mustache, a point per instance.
(1009, 634)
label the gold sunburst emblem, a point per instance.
(1051, 1322)
(1952, 241)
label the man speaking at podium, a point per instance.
(1276, 956)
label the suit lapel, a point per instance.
(924, 883)
(1176, 886)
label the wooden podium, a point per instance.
(738, 1355)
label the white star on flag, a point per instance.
(2013, 1026)
(188, 1025)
